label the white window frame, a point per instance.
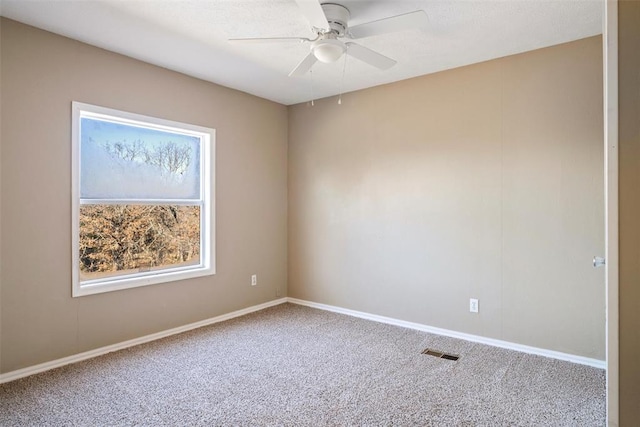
(207, 202)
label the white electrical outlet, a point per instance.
(473, 305)
(254, 280)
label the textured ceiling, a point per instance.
(190, 36)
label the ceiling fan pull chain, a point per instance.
(312, 94)
(344, 69)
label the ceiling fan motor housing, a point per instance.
(337, 17)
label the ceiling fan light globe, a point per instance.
(328, 50)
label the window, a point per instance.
(143, 210)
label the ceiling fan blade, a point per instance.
(269, 40)
(304, 66)
(312, 10)
(369, 56)
(408, 21)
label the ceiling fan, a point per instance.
(329, 21)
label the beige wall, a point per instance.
(629, 206)
(41, 75)
(480, 182)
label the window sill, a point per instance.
(108, 285)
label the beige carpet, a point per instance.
(295, 366)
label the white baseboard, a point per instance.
(24, 372)
(601, 364)
(31, 370)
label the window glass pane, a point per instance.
(122, 239)
(131, 162)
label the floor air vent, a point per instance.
(439, 354)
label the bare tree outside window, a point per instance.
(114, 238)
(170, 158)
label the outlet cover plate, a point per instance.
(473, 305)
